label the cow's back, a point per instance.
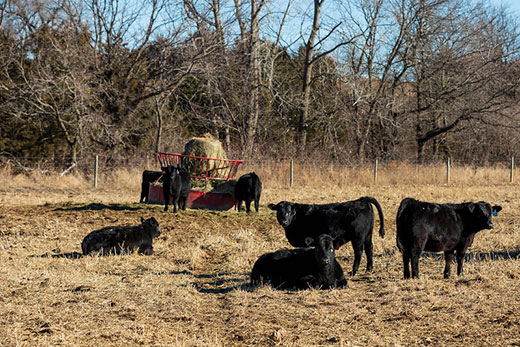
(101, 239)
(339, 220)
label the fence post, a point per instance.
(96, 162)
(511, 175)
(375, 172)
(291, 172)
(448, 170)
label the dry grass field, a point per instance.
(194, 291)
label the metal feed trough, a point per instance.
(208, 169)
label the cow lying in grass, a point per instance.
(301, 268)
(424, 226)
(248, 189)
(120, 239)
(344, 221)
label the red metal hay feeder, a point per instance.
(208, 169)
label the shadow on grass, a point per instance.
(99, 207)
(479, 256)
(69, 255)
(216, 284)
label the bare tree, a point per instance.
(311, 44)
(459, 55)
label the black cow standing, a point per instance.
(423, 226)
(248, 188)
(118, 239)
(148, 177)
(176, 184)
(301, 268)
(344, 221)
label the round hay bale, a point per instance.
(206, 146)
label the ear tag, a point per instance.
(495, 213)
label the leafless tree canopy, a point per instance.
(349, 81)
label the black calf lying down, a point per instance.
(118, 239)
(424, 226)
(301, 268)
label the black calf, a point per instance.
(148, 177)
(301, 268)
(177, 184)
(248, 188)
(118, 239)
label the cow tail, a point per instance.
(379, 211)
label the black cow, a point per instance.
(177, 184)
(301, 268)
(424, 226)
(344, 221)
(248, 188)
(148, 177)
(118, 239)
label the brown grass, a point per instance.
(194, 290)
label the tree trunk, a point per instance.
(301, 138)
(159, 126)
(254, 97)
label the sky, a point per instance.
(513, 5)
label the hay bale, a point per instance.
(206, 146)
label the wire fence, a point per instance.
(287, 171)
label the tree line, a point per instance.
(346, 81)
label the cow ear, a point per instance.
(272, 207)
(308, 241)
(496, 209)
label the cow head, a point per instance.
(323, 249)
(481, 213)
(151, 225)
(169, 171)
(285, 212)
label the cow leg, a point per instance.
(248, 206)
(239, 205)
(256, 205)
(460, 262)
(175, 203)
(368, 253)
(417, 247)
(406, 264)
(448, 257)
(416, 253)
(166, 200)
(358, 253)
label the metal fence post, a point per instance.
(375, 172)
(448, 170)
(96, 162)
(291, 173)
